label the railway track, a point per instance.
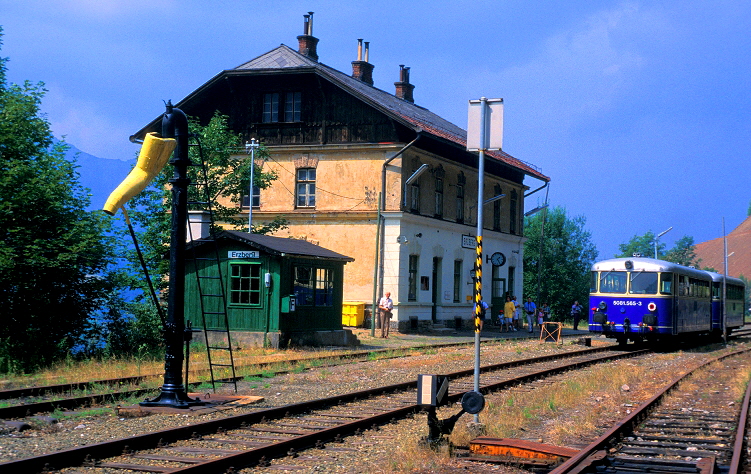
(254, 438)
(693, 425)
(29, 401)
(46, 399)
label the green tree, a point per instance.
(227, 178)
(643, 245)
(54, 255)
(683, 252)
(560, 259)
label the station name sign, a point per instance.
(469, 242)
(242, 254)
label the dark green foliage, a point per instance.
(54, 255)
(643, 245)
(567, 256)
(682, 252)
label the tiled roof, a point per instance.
(410, 114)
(278, 245)
(739, 245)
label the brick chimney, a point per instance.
(308, 43)
(362, 70)
(403, 87)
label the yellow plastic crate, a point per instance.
(353, 314)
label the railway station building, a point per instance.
(343, 149)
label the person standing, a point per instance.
(545, 312)
(576, 312)
(530, 309)
(508, 314)
(385, 306)
(517, 313)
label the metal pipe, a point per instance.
(478, 259)
(373, 314)
(378, 277)
(252, 145)
(367, 50)
(359, 49)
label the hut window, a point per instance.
(306, 187)
(460, 203)
(314, 286)
(245, 283)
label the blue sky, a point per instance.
(640, 112)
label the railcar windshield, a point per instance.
(593, 282)
(613, 282)
(643, 283)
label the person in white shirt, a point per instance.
(385, 306)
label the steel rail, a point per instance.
(28, 409)
(80, 455)
(596, 450)
(252, 456)
(740, 434)
(38, 391)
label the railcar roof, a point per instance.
(718, 277)
(647, 265)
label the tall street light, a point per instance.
(251, 147)
(658, 238)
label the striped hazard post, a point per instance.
(478, 284)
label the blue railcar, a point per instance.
(734, 297)
(645, 300)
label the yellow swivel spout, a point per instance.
(154, 155)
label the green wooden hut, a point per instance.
(279, 291)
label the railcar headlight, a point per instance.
(603, 306)
(652, 307)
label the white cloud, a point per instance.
(85, 126)
(583, 71)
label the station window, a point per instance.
(412, 288)
(457, 281)
(256, 199)
(497, 191)
(439, 197)
(306, 187)
(245, 284)
(512, 213)
(292, 107)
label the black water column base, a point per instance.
(173, 397)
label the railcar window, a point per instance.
(644, 283)
(666, 284)
(613, 282)
(593, 283)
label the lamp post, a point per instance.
(658, 238)
(251, 147)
